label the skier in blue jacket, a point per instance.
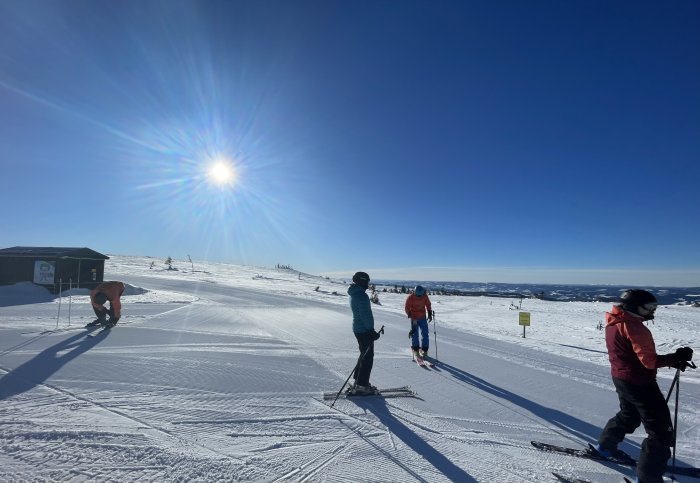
(363, 328)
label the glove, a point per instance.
(376, 335)
(683, 354)
(430, 315)
(410, 333)
(682, 365)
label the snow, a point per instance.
(218, 374)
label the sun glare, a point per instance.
(221, 173)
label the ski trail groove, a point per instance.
(147, 425)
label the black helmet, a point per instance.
(639, 302)
(361, 279)
(419, 291)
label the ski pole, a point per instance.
(673, 385)
(435, 335)
(675, 422)
(359, 360)
(677, 384)
(357, 367)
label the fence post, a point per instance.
(70, 298)
(60, 290)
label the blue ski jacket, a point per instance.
(362, 318)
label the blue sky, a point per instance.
(478, 141)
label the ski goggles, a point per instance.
(647, 309)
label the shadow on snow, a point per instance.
(439, 461)
(38, 369)
(581, 430)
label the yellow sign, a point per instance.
(524, 318)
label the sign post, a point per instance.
(524, 318)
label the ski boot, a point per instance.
(96, 322)
(368, 390)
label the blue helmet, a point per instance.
(419, 290)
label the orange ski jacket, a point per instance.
(416, 306)
(113, 291)
(631, 348)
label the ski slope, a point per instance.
(217, 374)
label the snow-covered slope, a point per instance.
(217, 374)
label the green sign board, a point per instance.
(524, 318)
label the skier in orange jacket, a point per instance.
(416, 306)
(104, 292)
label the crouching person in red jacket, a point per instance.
(107, 292)
(634, 362)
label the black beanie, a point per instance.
(361, 279)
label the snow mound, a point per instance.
(24, 293)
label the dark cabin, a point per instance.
(52, 267)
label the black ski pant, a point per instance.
(642, 404)
(103, 312)
(365, 341)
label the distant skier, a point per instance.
(416, 306)
(363, 328)
(633, 362)
(107, 292)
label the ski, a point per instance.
(569, 479)
(624, 459)
(572, 479)
(60, 330)
(421, 361)
(385, 395)
(688, 471)
(404, 391)
(95, 330)
(396, 389)
(55, 331)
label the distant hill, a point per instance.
(561, 293)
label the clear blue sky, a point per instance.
(476, 141)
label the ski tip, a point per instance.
(568, 479)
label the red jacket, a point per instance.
(416, 306)
(113, 291)
(631, 348)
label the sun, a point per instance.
(221, 173)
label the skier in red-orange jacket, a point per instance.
(417, 306)
(107, 292)
(633, 362)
